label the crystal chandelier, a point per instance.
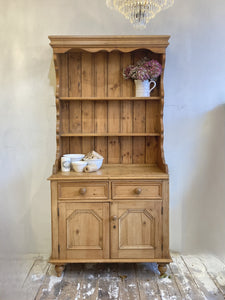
(139, 12)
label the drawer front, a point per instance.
(83, 190)
(137, 189)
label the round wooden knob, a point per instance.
(114, 218)
(82, 191)
(137, 191)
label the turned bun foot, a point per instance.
(59, 269)
(162, 269)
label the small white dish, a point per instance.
(79, 166)
(74, 157)
(98, 162)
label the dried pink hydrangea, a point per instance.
(145, 69)
(154, 68)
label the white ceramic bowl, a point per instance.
(98, 162)
(74, 157)
(78, 166)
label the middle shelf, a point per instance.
(110, 98)
(108, 134)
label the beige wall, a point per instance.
(194, 115)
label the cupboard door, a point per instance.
(83, 230)
(136, 229)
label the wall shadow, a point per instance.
(203, 208)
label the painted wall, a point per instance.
(194, 116)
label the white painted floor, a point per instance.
(188, 277)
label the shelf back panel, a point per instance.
(83, 74)
(110, 117)
(100, 74)
(115, 150)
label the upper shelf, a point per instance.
(109, 98)
(63, 44)
(109, 134)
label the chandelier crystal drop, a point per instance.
(139, 12)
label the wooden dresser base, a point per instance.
(61, 264)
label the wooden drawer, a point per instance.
(83, 190)
(137, 189)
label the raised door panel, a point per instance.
(83, 230)
(136, 229)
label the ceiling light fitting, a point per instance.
(139, 13)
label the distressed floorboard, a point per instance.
(128, 284)
(89, 284)
(35, 278)
(167, 285)
(202, 278)
(109, 283)
(216, 270)
(187, 286)
(146, 279)
(189, 277)
(51, 287)
(70, 286)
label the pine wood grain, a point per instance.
(87, 114)
(97, 110)
(116, 172)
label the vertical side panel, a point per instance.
(75, 106)
(114, 79)
(152, 116)
(126, 112)
(54, 217)
(87, 64)
(63, 84)
(161, 158)
(63, 75)
(75, 145)
(65, 145)
(139, 150)
(87, 144)
(165, 219)
(56, 165)
(87, 125)
(105, 230)
(158, 228)
(139, 117)
(152, 126)
(126, 149)
(152, 144)
(127, 85)
(64, 105)
(156, 92)
(114, 230)
(87, 106)
(101, 124)
(75, 90)
(62, 230)
(139, 126)
(101, 148)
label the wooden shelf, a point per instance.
(116, 171)
(109, 98)
(95, 214)
(97, 110)
(107, 134)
